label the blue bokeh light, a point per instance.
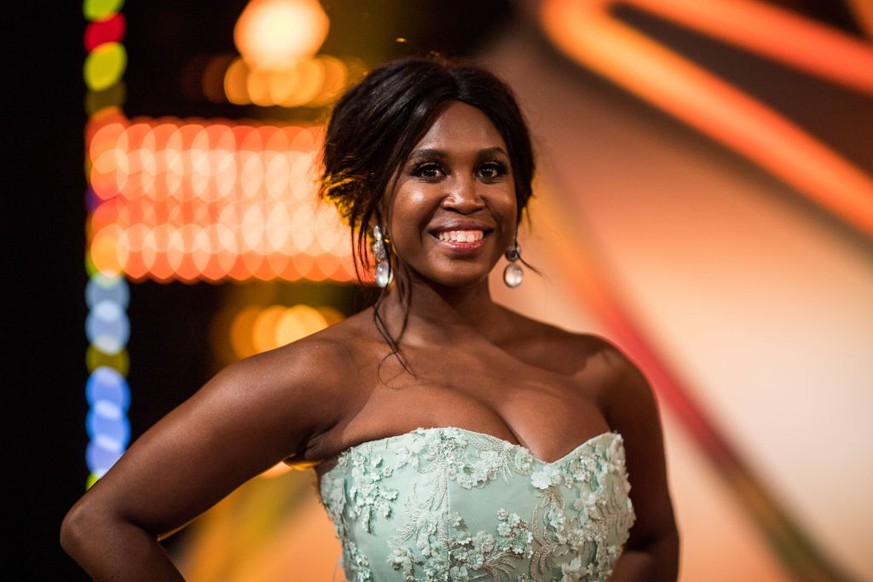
(107, 327)
(100, 456)
(106, 385)
(107, 288)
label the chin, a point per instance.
(458, 281)
(457, 275)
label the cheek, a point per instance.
(513, 203)
(415, 202)
(411, 209)
(507, 208)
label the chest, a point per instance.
(480, 388)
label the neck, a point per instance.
(433, 313)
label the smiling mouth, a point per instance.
(461, 236)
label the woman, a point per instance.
(455, 439)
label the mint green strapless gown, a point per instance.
(451, 504)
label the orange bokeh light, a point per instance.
(273, 33)
(213, 201)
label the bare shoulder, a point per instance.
(307, 384)
(316, 361)
(618, 383)
(571, 352)
(592, 360)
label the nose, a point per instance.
(462, 196)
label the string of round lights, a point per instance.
(107, 326)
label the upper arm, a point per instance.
(632, 410)
(244, 420)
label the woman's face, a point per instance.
(452, 212)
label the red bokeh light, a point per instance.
(102, 31)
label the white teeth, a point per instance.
(461, 236)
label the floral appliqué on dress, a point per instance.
(446, 504)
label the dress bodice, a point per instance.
(452, 504)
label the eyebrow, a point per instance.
(427, 153)
(440, 154)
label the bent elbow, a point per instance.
(81, 527)
(73, 530)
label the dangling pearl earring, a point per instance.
(513, 275)
(383, 275)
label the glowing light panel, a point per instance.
(186, 201)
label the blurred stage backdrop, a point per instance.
(705, 199)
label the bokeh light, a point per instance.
(113, 96)
(106, 384)
(264, 328)
(106, 326)
(107, 425)
(308, 82)
(274, 33)
(105, 65)
(102, 31)
(188, 201)
(259, 329)
(104, 288)
(100, 9)
(119, 361)
(298, 322)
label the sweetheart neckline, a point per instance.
(575, 450)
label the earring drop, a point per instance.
(513, 275)
(383, 275)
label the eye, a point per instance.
(493, 170)
(428, 171)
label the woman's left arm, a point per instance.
(652, 551)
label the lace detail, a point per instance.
(451, 504)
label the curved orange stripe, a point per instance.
(584, 31)
(778, 34)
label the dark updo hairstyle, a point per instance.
(376, 124)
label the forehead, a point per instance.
(461, 127)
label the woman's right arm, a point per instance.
(246, 419)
